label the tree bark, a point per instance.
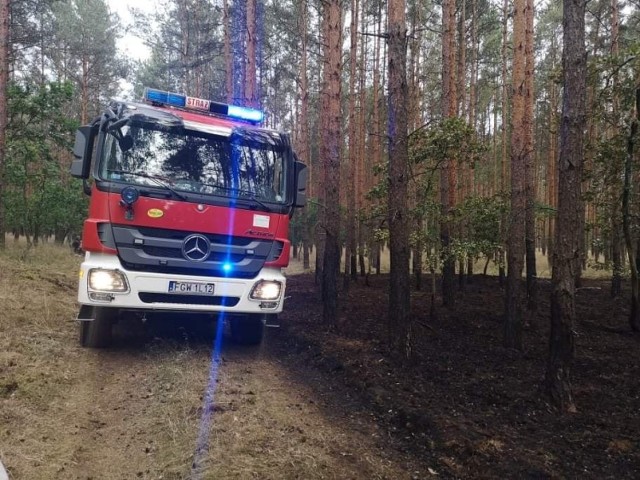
(632, 250)
(303, 125)
(616, 221)
(251, 93)
(399, 298)
(226, 20)
(503, 134)
(528, 124)
(330, 153)
(448, 181)
(512, 333)
(567, 242)
(350, 255)
(4, 78)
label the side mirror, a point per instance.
(82, 151)
(301, 184)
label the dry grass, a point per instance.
(135, 411)
(542, 265)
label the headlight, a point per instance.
(266, 290)
(107, 280)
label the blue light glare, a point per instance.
(176, 100)
(243, 113)
(234, 111)
(202, 443)
(227, 267)
(152, 95)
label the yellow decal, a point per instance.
(155, 213)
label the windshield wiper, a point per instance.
(254, 199)
(159, 180)
(237, 192)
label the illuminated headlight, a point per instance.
(107, 280)
(266, 290)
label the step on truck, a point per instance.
(190, 202)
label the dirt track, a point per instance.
(311, 402)
(137, 410)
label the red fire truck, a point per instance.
(189, 212)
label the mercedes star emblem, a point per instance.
(196, 248)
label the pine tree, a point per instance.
(399, 289)
(568, 242)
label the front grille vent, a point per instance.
(105, 235)
(161, 250)
(276, 251)
(148, 297)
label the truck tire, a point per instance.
(97, 333)
(247, 330)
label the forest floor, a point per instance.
(309, 402)
(469, 407)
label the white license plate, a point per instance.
(191, 288)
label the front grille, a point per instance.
(180, 235)
(195, 272)
(160, 250)
(175, 253)
(147, 297)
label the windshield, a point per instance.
(247, 164)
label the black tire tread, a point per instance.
(97, 333)
(248, 330)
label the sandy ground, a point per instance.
(158, 406)
(311, 402)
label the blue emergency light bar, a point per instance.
(160, 97)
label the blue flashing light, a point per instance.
(227, 267)
(191, 103)
(166, 98)
(152, 95)
(244, 113)
(176, 100)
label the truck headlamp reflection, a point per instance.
(266, 290)
(107, 280)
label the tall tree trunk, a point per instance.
(330, 154)
(251, 92)
(303, 123)
(448, 170)
(568, 244)
(503, 133)
(350, 254)
(4, 78)
(461, 76)
(552, 168)
(616, 221)
(377, 125)
(528, 124)
(474, 65)
(472, 110)
(632, 250)
(361, 177)
(414, 98)
(515, 243)
(399, 297)
(228, 62)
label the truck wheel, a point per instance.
(96, 333)
(247, 330)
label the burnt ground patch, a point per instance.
(467, 403)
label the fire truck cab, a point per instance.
(189, 212)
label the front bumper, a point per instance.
(150, 291)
